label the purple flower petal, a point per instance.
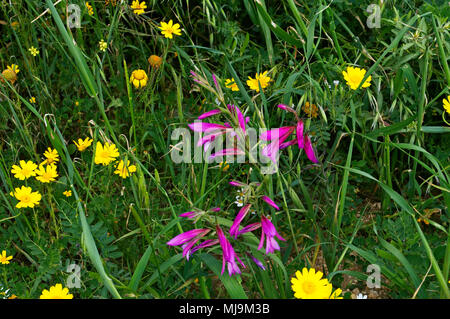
(270, 202)
(238, 184)
(286, 144)
(202, 127)
(209, 113)
(300, 134)
(226, 152)
(286, 108)
(187, 236)
(309, 150)
(237, 221)
(256, 261)
(249, 228)
(276, 133)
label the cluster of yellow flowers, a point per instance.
(261, 79)
(138, 77)
(107, 153)
(310, 109)
(55, 292)
(45, 173)
(89, 8)
(309, 284)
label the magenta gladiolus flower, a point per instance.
(210, 113)
(278, 137)
(269, 232)
(188, 239)
(189, 214)
(229, 256)
(238, 184)
(237, 221)
(270, 202)
(187, 236)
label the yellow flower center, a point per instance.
(25, 198)
(309, 287)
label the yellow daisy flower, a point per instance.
(33, 51)
(447, 104)
(124, 171)
(155, 61)
(26, 197)
(139, 78)
(24, 171)
(353, 77)
(169, 29)
(56, 292)
(14, 68)
(82, 145)
(231, 84)
(47, 174)
(263, 80)
(105, 154)
(310, 285)
(51, 156)
(137, 7)
(3, 259)
(67, 193)
(10, 74)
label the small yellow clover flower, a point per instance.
(102, 45)
(56, 292)
(33, 51)
(32, 100)
(169, 29)
(67, 193)
(138, 8)
(139, 78)
(263, 80)
(89, 8)
(353, 76)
